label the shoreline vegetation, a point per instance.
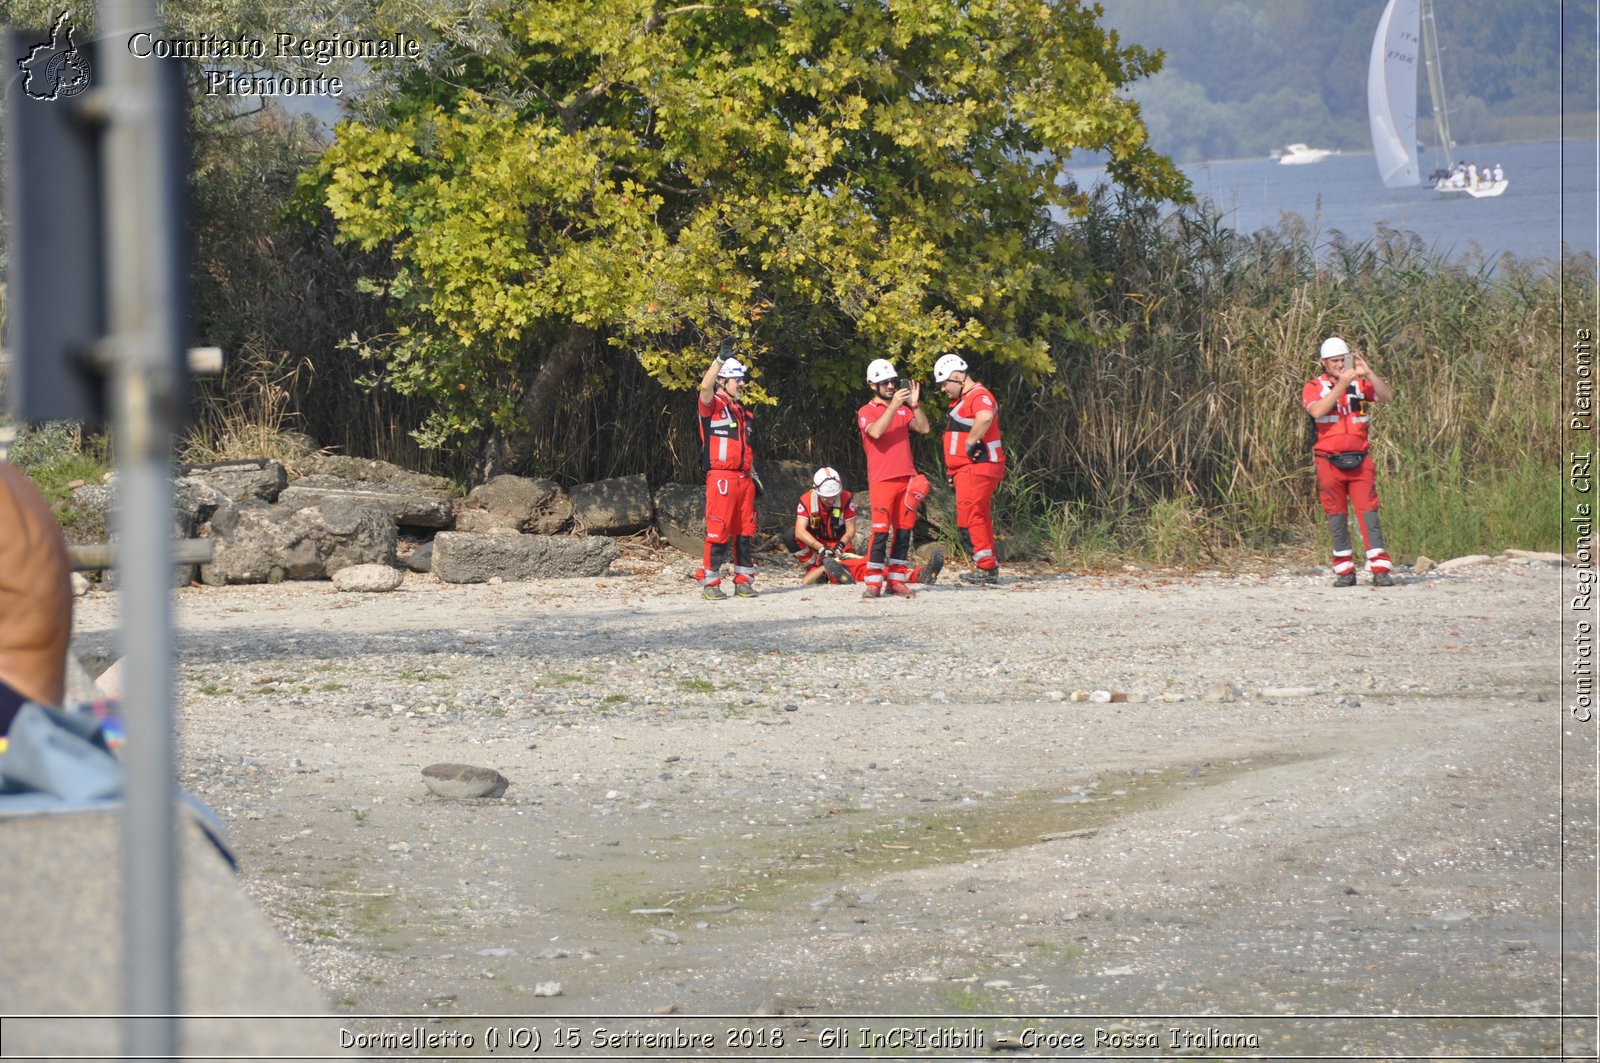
(408, 289)
(1169, 431)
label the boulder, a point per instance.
(681, 516)
(368, 579)
(260, 478)
(464, 781)
(619, 506)
(256, 543)
(782, 484)
(192, 503)
(484, 522)
(402, 503)
(461, 557)
(537, 506)
(379, 473)
(421, 559)
(199, 500)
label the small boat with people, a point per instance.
(1407, 33)
(1470, 179)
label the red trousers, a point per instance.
(730, 524)
(1340, 489)
(975, 486)
(856, 565)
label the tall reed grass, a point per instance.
(1173, 420)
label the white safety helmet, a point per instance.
(950, 363)
(827, 482)
(1333, 347)
(732, 368)
(880, 370)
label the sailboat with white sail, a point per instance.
(1407, 32)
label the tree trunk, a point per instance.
(512, 450)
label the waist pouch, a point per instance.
(1346, 460)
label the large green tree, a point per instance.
(823, 181)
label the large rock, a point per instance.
(198, 500)
(613, 507)
(518, 502)
(256, 543)
(373, 472)
(681, 516)
(193, 504)
(483, 522)
(403, 504)
(464, 782)
(782, 484)
(461, 557)
(260, 478)
(368, 579)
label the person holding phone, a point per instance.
(896, 489)
(1339, 400)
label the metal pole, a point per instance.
(142, 188)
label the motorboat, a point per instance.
(1301, 154)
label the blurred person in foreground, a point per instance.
(35, 598)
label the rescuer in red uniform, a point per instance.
(892, 481)
(1339, 401)
(975, 462)
(730, 479)
(824, 534)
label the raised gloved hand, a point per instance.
(977, 451)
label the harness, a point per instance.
(827, 524)
(726, 429)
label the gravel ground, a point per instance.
(1306, 821)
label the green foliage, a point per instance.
(55, 456)
(826, 182)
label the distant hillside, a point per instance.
(1245, 76)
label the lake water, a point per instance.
(1551, 199)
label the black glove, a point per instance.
(977, 451)
(725, 349)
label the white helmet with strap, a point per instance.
(880, 370)
(732, 369)
(827, 482)
(1333, 347)
(950, 363)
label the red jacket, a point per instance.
(959, 422)
(825, 521)
(725, 434)
(1343, 428)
